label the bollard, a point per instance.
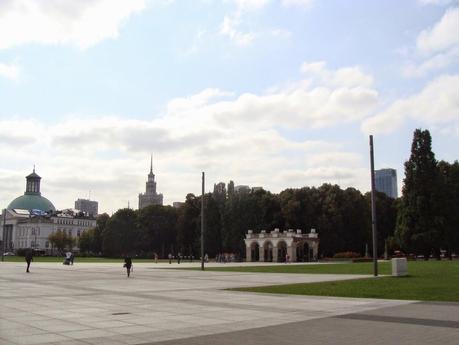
(399, 267)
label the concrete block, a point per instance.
(399, 267)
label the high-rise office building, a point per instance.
(90, 207)
(386, 182)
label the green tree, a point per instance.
(90, 240)
(355, 211)
(331, 223)
(61, 240)
(121, 235)
(188, 231)
(213, 224)
(86, 241)
(449, 175)
(386, 218)
(419, 221)
(157, 226)
(101, 223)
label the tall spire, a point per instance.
(151, 164)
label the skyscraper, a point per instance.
(150, 197)
(386, 182)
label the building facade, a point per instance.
(32, 231)
(242, 189)
(386, 182)
(279, 246)
(29, 219)
(90, 207)
(150, 197)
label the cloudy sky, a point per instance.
(272, 93)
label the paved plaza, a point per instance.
(97, 304)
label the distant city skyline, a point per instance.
(273, 93)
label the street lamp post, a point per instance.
(373, 210)
(202, 223)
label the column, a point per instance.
(248, 253)
(315, 250)
(275, 253)
(291, 252)
(262, 253)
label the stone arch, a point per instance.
(281, 251)
(268, 251)
(299, 251)
(303, 251)
(255, 251)
(306, 251)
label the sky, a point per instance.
(272, 93)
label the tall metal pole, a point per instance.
(373, 210)
(3, 235)
(202, 223)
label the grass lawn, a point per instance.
(428, 281)
(342, 268)
(77, 259)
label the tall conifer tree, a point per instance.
(419, 222)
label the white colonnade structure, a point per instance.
(279, 246)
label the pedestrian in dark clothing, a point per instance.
(28, 259)
(128, 265)
(179, 256)
(72, 257)
(170, 258)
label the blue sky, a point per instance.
(273, 93)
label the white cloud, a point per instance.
(233, 26)
(297, 3)
(436, 2)
(436, 47)
(236, 24)
(229, 28)
(9, 71)
(229, 136)
(443, 35)
(82, 23)
(437, 104)
(250, 5)
(342, 77)
(436, 62)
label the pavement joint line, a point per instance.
(400, 319)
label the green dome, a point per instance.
(30, 202)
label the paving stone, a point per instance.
(97, 304)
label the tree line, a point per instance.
(422, 221)
(428, 211)
(341, 216)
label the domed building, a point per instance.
(32, 199)
(29, 219)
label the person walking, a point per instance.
(128, 265)
(179, 256)
(170, 258)
(28, 259)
